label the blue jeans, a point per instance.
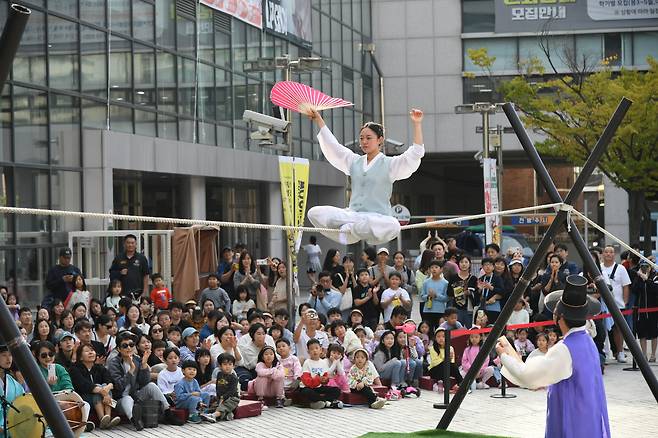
(415, 370)
(192, 403)
(394, 370)
(465, 317)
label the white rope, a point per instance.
(479, 216)
(168, 220)
(615, 238)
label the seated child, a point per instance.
(189, 395)
(542, 346)
(553, 337)
(468, 357)
(362, 376)
(227, 385)
(173, 336)
(291, 366)
(204, 372)
(411, 363)
(523, 344)
(336, 370)
(451, 322)
(170, 376)
(520, 315)
(366, 342)
(387, 364)
(438, 360)
(269, 379)
(315, 377)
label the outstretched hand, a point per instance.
(416, 115)
(315, 116)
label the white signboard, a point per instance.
(401, 213)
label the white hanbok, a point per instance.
(358, 221)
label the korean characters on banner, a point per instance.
(289, 18)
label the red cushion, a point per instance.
(427, 383)
(248, 408)
(380, 390)
(181, 414)
(353, 398)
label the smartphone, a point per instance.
(51, 371)
(113, 403)
(236, 266)
(261, 262)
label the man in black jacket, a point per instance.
(59, 280)
(131, 377)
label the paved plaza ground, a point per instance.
(632, 409)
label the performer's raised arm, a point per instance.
(338, 155)
(403, 166)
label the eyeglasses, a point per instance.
(128, 345)
(109, 327)
(155, 330)
(47, 354)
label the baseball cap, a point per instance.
(65, 252)
(381, 250)
(189, 331)
(644, 262)
(514, 262)
(63, 335)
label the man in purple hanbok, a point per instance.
(576, 405)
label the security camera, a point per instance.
(478, 156)
(265, 122)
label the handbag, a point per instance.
(346, 299)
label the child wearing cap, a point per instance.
(190, 344)
(189, 395)
(362, 376)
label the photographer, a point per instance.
(645, 289)
(323, 295)
(131, 268)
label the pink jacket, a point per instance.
(274, 373)
(468, 357)
(292, 369)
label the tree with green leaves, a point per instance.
(571, 111)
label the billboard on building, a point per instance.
(289, 18)
(553, 15)
(249, 11)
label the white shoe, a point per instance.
(317, 405)
(210, 418)
(621, 357)
(482, 385)
(378, 404)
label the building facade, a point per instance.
(136, 107)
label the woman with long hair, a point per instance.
(332, 265)
(279, 296)
(249, 275)
(463, 289)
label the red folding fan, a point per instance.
(299, 97)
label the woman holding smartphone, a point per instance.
(462, 288)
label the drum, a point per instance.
(28, 422)
(72, 411)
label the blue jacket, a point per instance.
(184, 389)
(440, 288)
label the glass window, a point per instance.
(589, 50)
(121, 119)
(64, 130)
(167, 127)
(93, 63)
(366, 19)
(144, 75)
(94, 114)
(66, 194)
(325, 32)
(239, 37)
(644, 44)
(240, 98)
(207, 133)
(166, 82)
(253, 43)
(165, 23)
(143, 21)
(504, 49)
(206, 86)
(254, 96)
(5, 126)
(224, 136)
(612, 48)
(145, 123)
(223, 95)
(186, 86)
(66, 7)
(186, 130)
(336, 52)
(30, 125)
(63, 53)
(558, 45)
(185, 36)
(119, 16)
(348, 47)
(478, 16)
(32, 268)
(347, 12)
(120, 69)
(93, 12)
(223, 49)
(335, 9)
(356, 14)
(31, 190)
(206, 35)
(30, 60)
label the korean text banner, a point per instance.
(294, 173)
(552, 15)
(249, 11)
(290, 18)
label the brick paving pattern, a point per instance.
(632, 409)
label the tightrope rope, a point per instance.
(615, 238)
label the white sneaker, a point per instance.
(621, 357)
(378, 404)
(210, 418)
(482, 385)
(317, 405)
